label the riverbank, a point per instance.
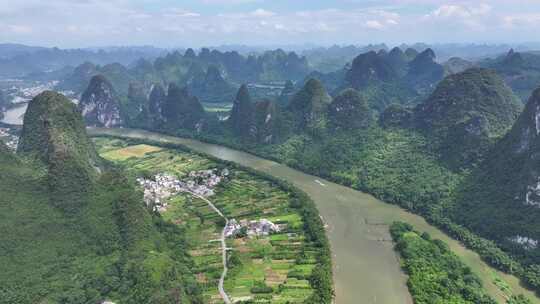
(357, 222)
(291, 265)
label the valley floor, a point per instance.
(274, 268)
(358, 228)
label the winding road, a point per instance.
(222, 292)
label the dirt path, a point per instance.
(222, 292)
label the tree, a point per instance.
(349, 111)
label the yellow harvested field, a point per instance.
(131, 151)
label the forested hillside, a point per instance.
(73, 229)
(423, 158)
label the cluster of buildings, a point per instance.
(24, 92)
(163, 186)
(207, 180)
(262, 227)
(9, 139)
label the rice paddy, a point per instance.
(266, 269)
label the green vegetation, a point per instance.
(403, 164)
(504, 186)
(424, 72)
(73, 229)
(212, 76)
(241, 117)
(53, 133)
(181, 110)
(521, 71)
(349, 111)
(309, 107)
(100, 104)
(466, 114)
(435, 274)
(292, 266)
(434, 159)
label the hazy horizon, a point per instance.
(259, 23)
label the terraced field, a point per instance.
(268, 269)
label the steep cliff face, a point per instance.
(424, 73)
(156, 101)
(501, 199)
(370, 68)
(309, 107)
(181, 110)
(242, 114)
(210, 86)
(100, 105)
(267, 120)
(523, 146)
(54, 133)
(135, 107)
(398, 60)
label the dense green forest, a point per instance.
(73, 229)
(435, 274)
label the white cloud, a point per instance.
(521, 20)
(211, 22)
(280, 27)
(19, 29)
(262, 13)
(374, 24)
(460, 11)
(180, 13)
(478, 17)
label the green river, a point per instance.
(366, 269)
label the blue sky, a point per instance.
(173, 23)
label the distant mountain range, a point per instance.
(19, 60)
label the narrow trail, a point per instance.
(222, 292)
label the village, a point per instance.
(200, 183)
(164, 186)
(253, 228)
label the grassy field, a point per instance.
(271, 269)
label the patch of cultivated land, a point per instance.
(273, 268)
